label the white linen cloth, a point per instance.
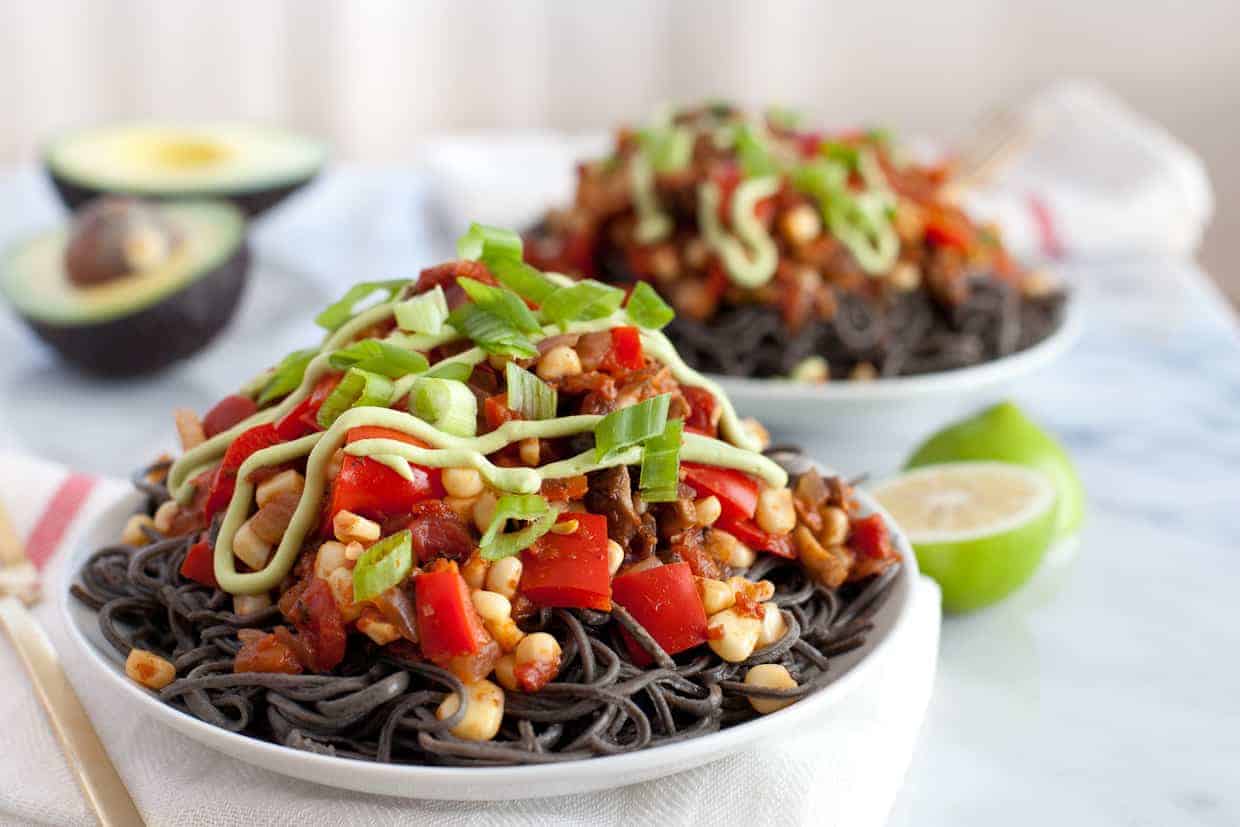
(846, 773)
(1095, 178)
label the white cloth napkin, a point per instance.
(1096, 178)
(846, 772)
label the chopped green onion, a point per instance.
(482, 241)
(755, 155)
(647, 309)
(841, 153)
(785, 118)
(861, 221)
(660, 475)
(424, 314)
(668, 149)
(502, 303)
(496, 544)
(340, 312)
(379, 357)
(491, 333)
(447, 404)
(583, 301)
(456, 371)
(653, 224)
(630, 426)
(528, 395)
(287, 376)
(359, 388)
(384, 565)
(520, 277)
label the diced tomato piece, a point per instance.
(436, 531)
(445, 276)
(569, 570)
(736, 491)
(448, 624)
(948, 229)
(199, 564)
(701, 418)
(626, 351)
(303, 419)
(726, 176)
(717, 281)
(320, 626)
(250, 442)
(228, 412)
(748, 532)
(267, 654)
(809, 143)
(373, 490)
(565, 489)
(868, 536)
(496, 411)
(665, 601)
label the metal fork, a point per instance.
(19, 588)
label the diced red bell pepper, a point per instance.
(665, 601)
(228, 412)
(701, 418)
(737, 492)
(225, 480)
(626, 351)
(199, 564)
(321, 626)
(448, 624)
(868, 536)
(748, 532)
(569, 570)
(303, 419)
(373, 490)
(496, 411)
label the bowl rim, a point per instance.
(275, 757)
(939, 383)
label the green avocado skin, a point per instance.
(253, 203)
(158, 335)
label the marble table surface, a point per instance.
(1107, 691)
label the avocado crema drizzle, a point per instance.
(447, 451)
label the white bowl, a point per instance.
(851, 423)
(480, 783)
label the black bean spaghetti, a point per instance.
(380, 707)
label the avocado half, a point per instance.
(254, 167)
(146, 320)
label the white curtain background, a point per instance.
(376, 75)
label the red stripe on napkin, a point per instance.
(50, 530)
(1044, 223)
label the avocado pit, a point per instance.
(116, 237)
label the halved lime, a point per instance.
(1004, 434)
(979, 528)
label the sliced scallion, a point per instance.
(583, 301)
(359, 388)
(491, 333)
(456, 371)
(753, 152)
(502, 303)
(497, 544)
(425, 313)
(520, 277)
(286, 376)
(384, 565)
(528, 395)
(380, 357)
(482, 241)
(447, 404)
(341, 311)
(660, 474)
(647, 309)
(631, 426)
